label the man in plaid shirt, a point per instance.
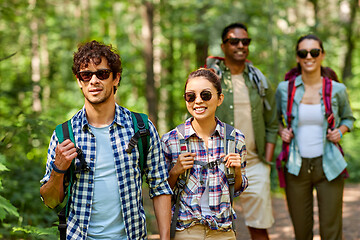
(106, 201)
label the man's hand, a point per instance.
(65, 153)
(53, 191)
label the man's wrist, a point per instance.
(56, 169)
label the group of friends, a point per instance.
(228, 93)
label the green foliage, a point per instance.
(6, 208)
(45, 33)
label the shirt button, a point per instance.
(231, 106)
(231, 123)
(230, 91)
(90, 182)
(88, 204)
(92, 159)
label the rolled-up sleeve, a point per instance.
(345, 112)
(157, 173)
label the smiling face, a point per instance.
(239, 52)
(202, 110)
(98, 91)
(310, 64)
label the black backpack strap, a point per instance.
(182, 180)
(141, 129)
(62, 223)
(229, 147)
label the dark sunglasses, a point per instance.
(315, 52)
(235, 41)
(191, 96)
(100, 74)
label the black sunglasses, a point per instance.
(315, 52)
(191, 96)
(235, 41)
(100, 74)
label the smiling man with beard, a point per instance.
(249, 105)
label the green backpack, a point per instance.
(64, 131)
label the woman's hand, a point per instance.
(286, 134)
(233, 160)
(334, 135)
(184, 162)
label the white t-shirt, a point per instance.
(309, 136)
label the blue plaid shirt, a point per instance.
(127, 171)
(219, 195)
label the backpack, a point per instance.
(284, 154)
(255, 76)
(64, 131)
(229, 146)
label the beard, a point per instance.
(97, 100)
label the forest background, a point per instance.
(160, 43)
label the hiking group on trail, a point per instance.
(99, 158)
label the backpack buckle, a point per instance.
(181, 183)
(212, 164)
(231, 178)
(143, 131)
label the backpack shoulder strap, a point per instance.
(182, 180)
(214, 63)
(141, 129)
(258, 78)
(291, 95)
(229, 147)
(327, 91)
(64, 131)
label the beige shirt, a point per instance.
(242, 116)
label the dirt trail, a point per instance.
(282, 229)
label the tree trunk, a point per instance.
(35, 60)
(202, 44)
(45, 71)
(147, 33)
(347, 70)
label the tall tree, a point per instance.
(35, 58)
(350, 40)
(148, 36)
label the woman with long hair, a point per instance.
(315, 159)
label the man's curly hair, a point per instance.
(92, 52)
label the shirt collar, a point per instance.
(121, 117)
(189, 130)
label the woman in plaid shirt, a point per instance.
(205, 208)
